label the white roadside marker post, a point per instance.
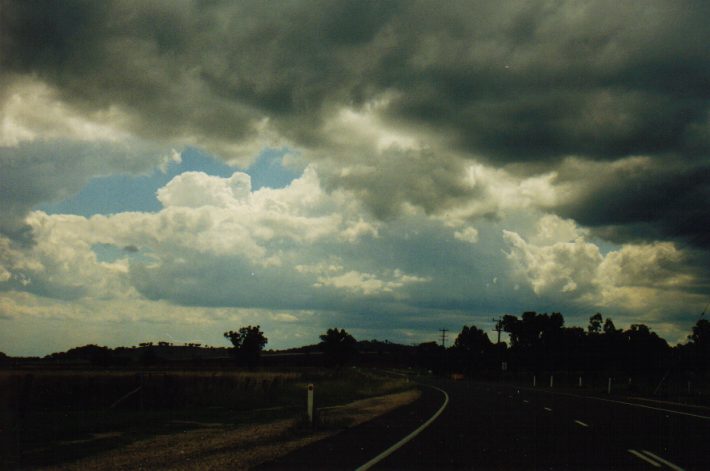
(309, 407)
(580, 382)
(608, 388)
(534, 381)
(552, 380)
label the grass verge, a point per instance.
(212, 418)
(214, 446)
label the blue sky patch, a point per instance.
(120, 193)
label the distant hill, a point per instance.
(165, 353)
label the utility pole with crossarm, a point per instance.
(443, 337)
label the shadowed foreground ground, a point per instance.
(220, 446)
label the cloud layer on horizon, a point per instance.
(300, 252)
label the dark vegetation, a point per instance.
(80, 394)
(248, 343)
(338, 346)
(55, 416)
(636, 360)
(537, 343)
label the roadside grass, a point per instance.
(60, 417)
(228, 447)
(349, 384)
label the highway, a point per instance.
(488, 426)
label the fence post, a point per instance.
(309, 406)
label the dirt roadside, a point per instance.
(215, 446)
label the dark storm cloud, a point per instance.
(206, 68)
(512, 82)
(642, 200)
(521, 81)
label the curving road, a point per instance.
(486, 426)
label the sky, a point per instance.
(173, 170)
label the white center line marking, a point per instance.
(548, 409)
(579, 422)
(666, 462)
(644, 457)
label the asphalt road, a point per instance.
(487, 426)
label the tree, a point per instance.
(472, 339)
(609, 327)
(535, 337)
(643, 350)
(513, 327)
(595, 324)
(248, 343)
(699, 345)
(472, 349)
(338, 346)
(701, 335)
(429, 355)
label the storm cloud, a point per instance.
(530, 82)
(449, 153)
(515, 82)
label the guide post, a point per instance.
(309, 409)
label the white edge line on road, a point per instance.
(664, 461)
(646, 399)
(548, 409)
(650, 407)
(629, 404)
(647, 407)
(579, 422)
(644, 457)
(406, 439)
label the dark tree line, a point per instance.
(537, 343)
(696, 353)
(542, 342)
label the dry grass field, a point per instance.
(60, 418)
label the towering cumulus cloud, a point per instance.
(433, 143)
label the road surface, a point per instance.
(488, 426)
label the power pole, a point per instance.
(498, 328)
(443, 337)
